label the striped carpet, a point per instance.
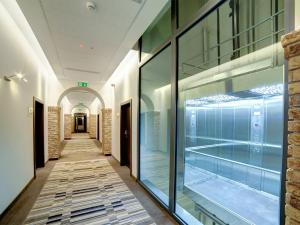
(80, 145)
(86, 192)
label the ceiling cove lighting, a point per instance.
(269, 90)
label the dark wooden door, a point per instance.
(39, 134)
(125, 135)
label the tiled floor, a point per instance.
(20, 209)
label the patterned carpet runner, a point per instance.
(86, 192)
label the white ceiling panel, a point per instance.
(78, 97)
(84, 45)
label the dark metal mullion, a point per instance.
(205, 10)
(209, 7)
(173, 125)
(139, 126)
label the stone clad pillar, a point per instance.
(92, 124)
(106, 131)
(67, 126)
(291, 44)
(54, 132)
(72, 124)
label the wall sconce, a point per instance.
(17, 75)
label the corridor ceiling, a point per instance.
(78, 97)
(88, 45)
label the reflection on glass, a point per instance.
(230, 116)
(155, 124)
(158, 32)
(187, 9)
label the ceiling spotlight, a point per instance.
(19, 75)
(91, 6)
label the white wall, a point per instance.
(297, 14)
(125, 79)
(20, 52)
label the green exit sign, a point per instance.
(82, 84)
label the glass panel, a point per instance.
(230, 116)
(158, 32)
(187, 9)
(155, 124)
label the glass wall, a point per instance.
(230, 112)
(155, 104)
(187, 9)
(230, 116)
(158, 32)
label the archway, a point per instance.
(80, 105)
(148, 102)
(72, 89)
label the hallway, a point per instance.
(85, 187)
(150, 112)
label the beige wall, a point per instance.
(20, 52)
(125, 79)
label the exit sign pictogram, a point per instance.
(82, 84)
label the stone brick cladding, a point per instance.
(291, 44)
(72, 124)
(106, 131)
(93, 125)
(54, 146)
(67, 126)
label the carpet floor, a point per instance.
(86, 192)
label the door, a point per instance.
(38, 134)
(80, 120)
(125, 135)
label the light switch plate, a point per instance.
(30, 110)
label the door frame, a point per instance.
(35, 99)
(128, 102)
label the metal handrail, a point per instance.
(237, 35)
(235, 162)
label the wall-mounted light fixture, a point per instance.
(20, 76)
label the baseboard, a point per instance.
(16, 198)
(115, 158)
(135, 179)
